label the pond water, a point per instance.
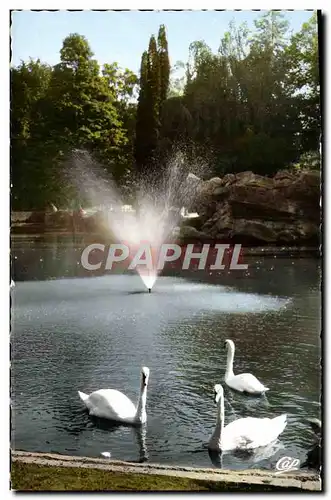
(74, 333)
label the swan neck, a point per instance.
(229, 361)
(220, 412)
(217, 436)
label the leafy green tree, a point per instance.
(89, 102)
(123, 85)
(177, 80)
(69, 106)
(29, 135)
(244, 103)
(303, 82)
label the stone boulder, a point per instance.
(191, 233)
(250, 208)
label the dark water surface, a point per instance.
(73, 333)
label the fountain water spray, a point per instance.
(158, 203)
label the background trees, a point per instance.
(253, 105)
(56, 109)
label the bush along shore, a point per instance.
(51, 472)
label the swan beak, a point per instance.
(145, 375)
(145, 379)
(218, 394)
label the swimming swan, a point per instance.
(316, 426)
(244, 433)
(114, 405)
(245, 382)
(314, 455)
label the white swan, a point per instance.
(114, 405)
(244, 433)
(244, 382)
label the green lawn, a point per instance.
(31, 477)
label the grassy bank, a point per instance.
(33, 477)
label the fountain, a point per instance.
(158, 203)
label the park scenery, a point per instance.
(165, 250)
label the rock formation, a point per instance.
(238, 208)
(252, 209)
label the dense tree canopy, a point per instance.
(253, 105)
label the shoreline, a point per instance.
(249, 250)
(169, 477)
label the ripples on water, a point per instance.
(93, 333)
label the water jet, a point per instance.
(157, 211)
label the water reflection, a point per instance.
(138, 433)
(247, 458)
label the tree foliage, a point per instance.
(255, 103)
(70, 105)
(252, 105)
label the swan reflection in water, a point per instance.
(82, 420)
(139, 432)
(250, 457)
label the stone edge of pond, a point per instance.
(307, 481)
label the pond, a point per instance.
(72, 332)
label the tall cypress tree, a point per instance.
(147, 124)
(142, 118)
(164, 64)
(154, 83)
(154, 73)
(153, 93)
